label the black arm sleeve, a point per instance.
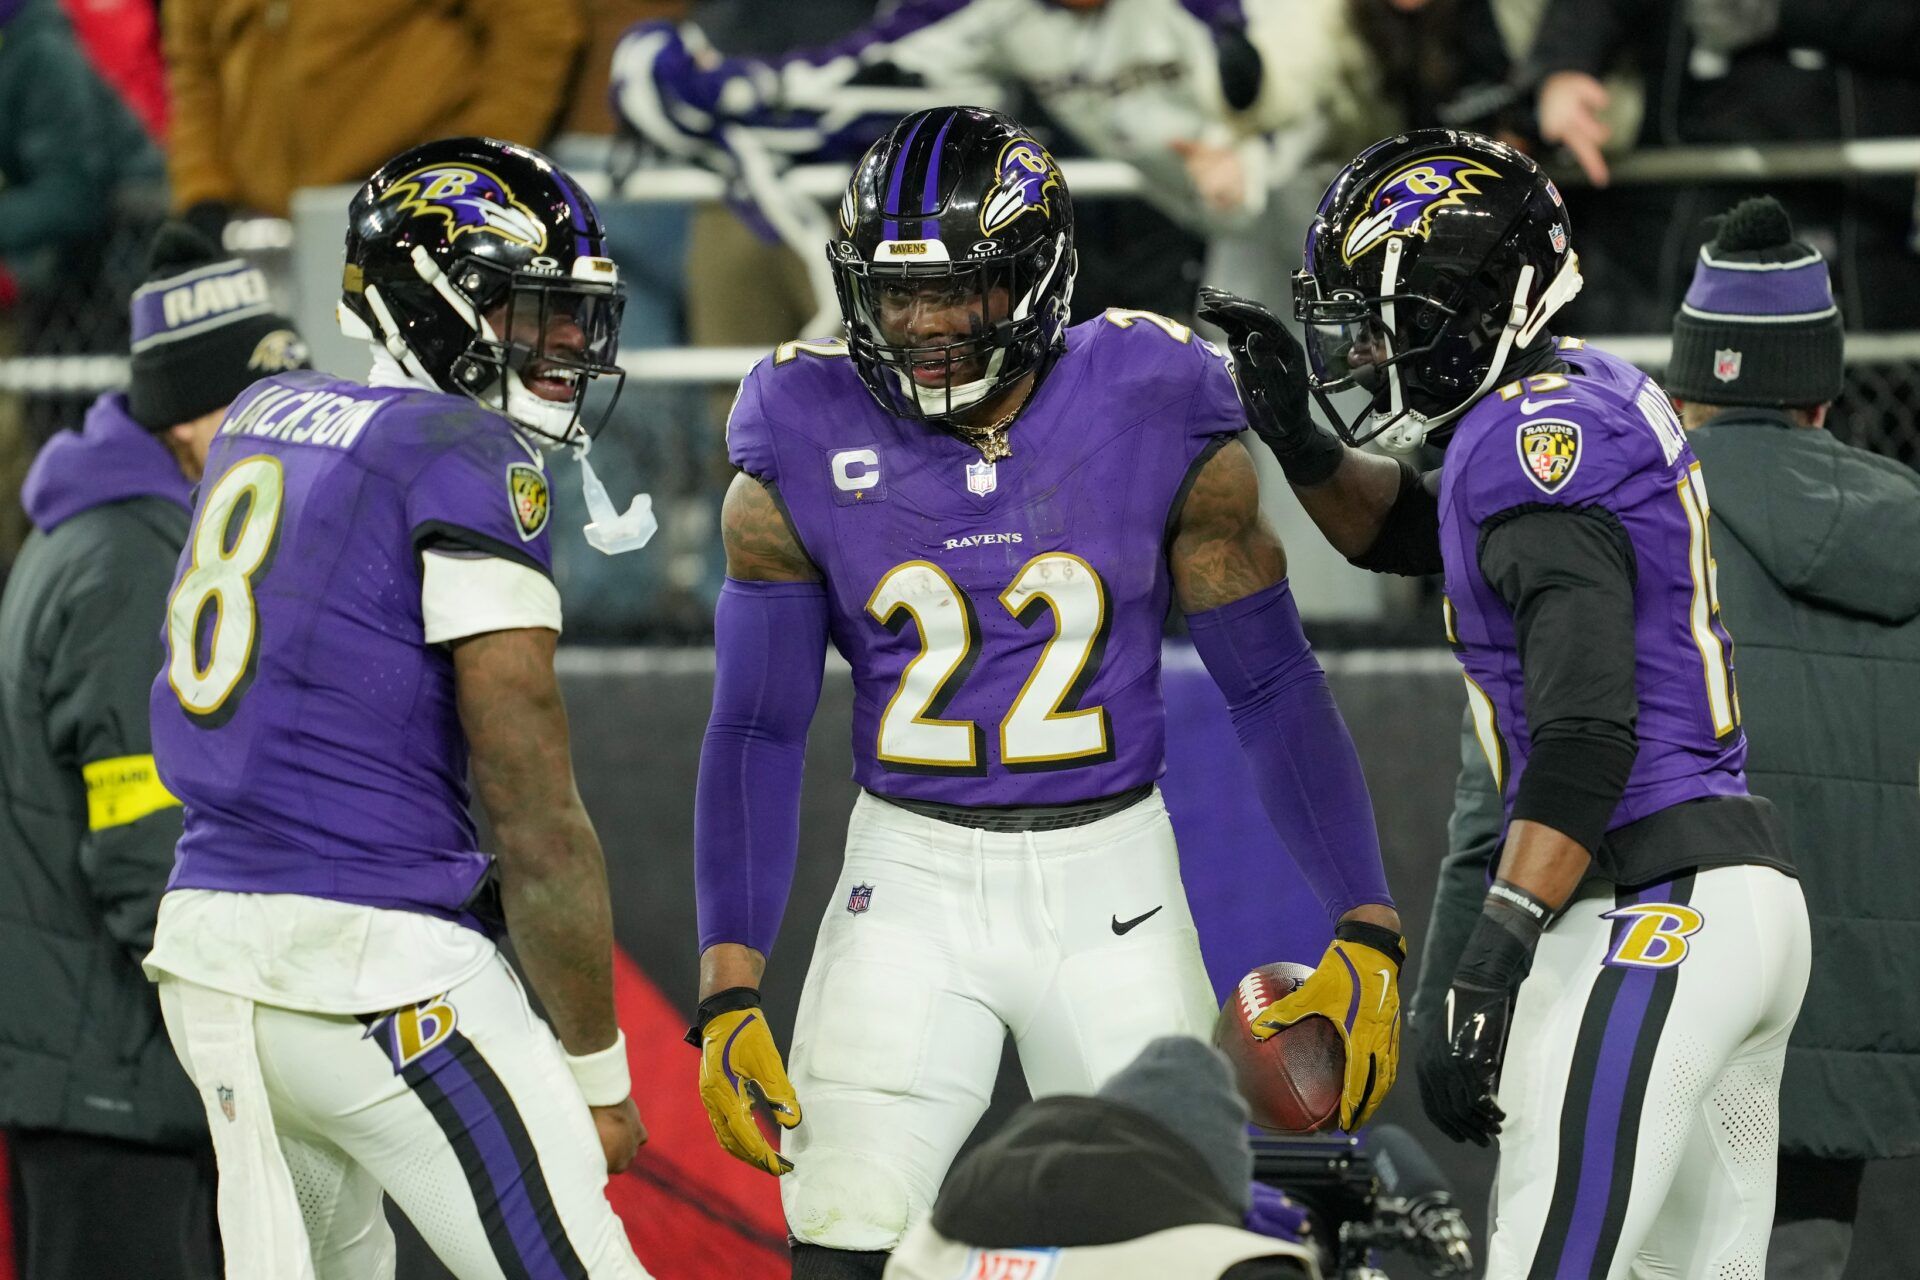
(1568, 576)
(1409, 541)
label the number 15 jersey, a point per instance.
(306, 715)
(1003, 620)
(1600, 438)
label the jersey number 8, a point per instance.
(231, 543)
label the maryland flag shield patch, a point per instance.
(1550, 451)
(527, 491)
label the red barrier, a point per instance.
(691, 1210)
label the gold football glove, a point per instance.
(739, 1070)
(1357, 988)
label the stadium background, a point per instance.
(638, 675)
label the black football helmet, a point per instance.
(461, 254)
(1436, 256)
(960, 208)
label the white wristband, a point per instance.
(602, 1076)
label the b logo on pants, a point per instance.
(416, 1030)
(1654, 935)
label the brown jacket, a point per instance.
(270, 95)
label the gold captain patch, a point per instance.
(527, 490)
(1550, 451)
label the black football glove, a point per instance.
(1460, 1059)
(1270, 367)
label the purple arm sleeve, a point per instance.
(771, 639)
(1304, 764)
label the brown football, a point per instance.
(1292, 1079)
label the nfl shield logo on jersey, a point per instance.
(1726, 365)
(1549, 450)
(860, 899)
(982, 478)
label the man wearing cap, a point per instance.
(107, 1138)
(1816, 550)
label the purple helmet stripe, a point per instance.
(585, 244)
(930, 193)
(894, 182)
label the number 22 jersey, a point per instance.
(1003, 620)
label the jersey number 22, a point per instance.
(1045, 728)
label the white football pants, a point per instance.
(461, 1108)
(1642, 1082)
(938, 941)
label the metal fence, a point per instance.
(65, 342)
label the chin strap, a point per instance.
(1408, 429)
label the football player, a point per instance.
(1620, 1013)
(363, 613)
(987, 513)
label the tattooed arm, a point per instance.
(553, 882)
(761, 545)
(1223, 549)
(552, 879)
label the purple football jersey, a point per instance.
(302, 719)
(1002, 619)
(1604, 435)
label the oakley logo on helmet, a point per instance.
(1025, 178)
(472, 201)
(1406, 200)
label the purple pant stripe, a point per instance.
(484, 1129)
(1612, 1077)
(1611, 1081)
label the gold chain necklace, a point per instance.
(991, 441)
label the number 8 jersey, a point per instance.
(305, 716)
(1002, 619)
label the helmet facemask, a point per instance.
(904, 318)
(1418, 355)
(534, 331)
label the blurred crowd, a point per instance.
(114, 113)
